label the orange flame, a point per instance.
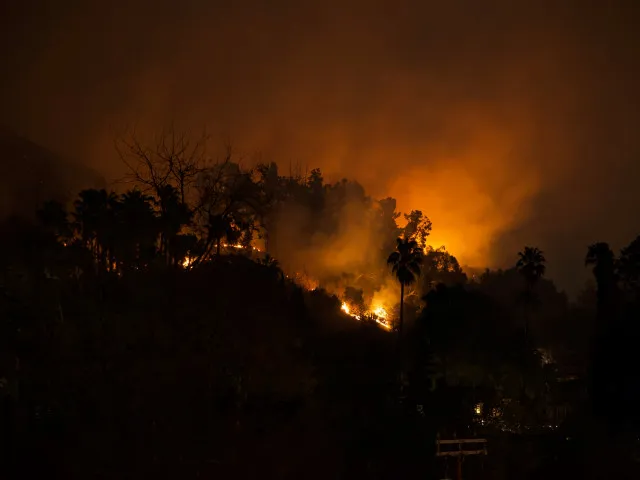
(378, 313)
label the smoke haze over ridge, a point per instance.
(507, 123)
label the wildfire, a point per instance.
(186, 263)
(378, 314)
(381, 316)
(240, 246)
(345, 308)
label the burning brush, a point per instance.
(377, 314)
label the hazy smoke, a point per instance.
(506, 122)
(337, 245)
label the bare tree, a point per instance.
(173, 159)
(221, 197)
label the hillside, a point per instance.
(31, 173)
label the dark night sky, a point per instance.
(508, 122)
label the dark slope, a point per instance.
(30, 174)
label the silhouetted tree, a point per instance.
(94, 221)
(603, 260)
(405, 265)
(315, 184)
(439, 266)
(629, 269)
(139, 229)
(386, 225)
(221, 227)
(531, 265)
(602, 366)
(174, 216)
(273, 265)
(172, 159)
(53, 216)
(418, 227)
(271, 198)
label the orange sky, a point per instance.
(506, 122)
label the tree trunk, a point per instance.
(400, 327)
(527, 314)
(218, 248)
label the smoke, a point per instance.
(387, 294)
(337, 243)
(507, 123)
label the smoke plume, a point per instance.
(507, 123)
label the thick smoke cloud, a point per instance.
(506, 122)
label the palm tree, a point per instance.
(531, 265)
(603, 260)
(92, 213)
(139, 229)
(603, 368)
(405, 265)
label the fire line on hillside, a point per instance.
(377, 314)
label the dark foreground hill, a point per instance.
(226, 371)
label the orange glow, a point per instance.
(345, 308)
(378, 313)
(239, 246)
(186, 263)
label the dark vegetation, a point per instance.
(143, 336)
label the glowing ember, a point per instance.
(240, 246)
(187, 262)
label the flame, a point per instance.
(240, 246)
(346, 309)
(378, 313)
(186, 263)
(305, 281)
(381, 316)
(381, 312)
